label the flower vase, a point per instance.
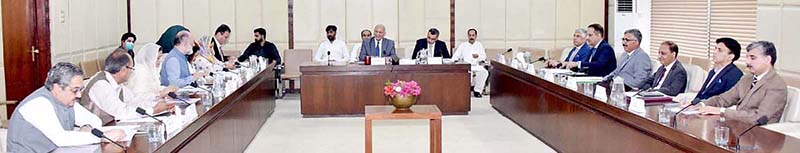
(403, 102)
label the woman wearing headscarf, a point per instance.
(145, 79)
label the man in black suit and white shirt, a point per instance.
(436, 47)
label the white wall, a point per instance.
(85, 30)
(776, 22)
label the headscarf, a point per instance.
(145, 77)
(148, 56)
(166, 41)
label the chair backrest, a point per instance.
(89, 68)
(294, 57)
(401, 52)
(695, 77)
(491, 53)
(791, 113)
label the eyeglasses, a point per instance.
(130, 68)
(76, 90)
(627, 40)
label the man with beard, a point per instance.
(261, 47)
(332, 49)
(473, 53)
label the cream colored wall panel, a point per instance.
(358, 16)
(59, 31)
(493, 19)
(544, 23)
(275, 18)
(790, 14)
(413, 22)
(437, 14)
(108, 22)
(519, 20)
(248, 15)
(170, 12)
(196, 17)
(386, 12)
(568, 18)
(770, 2)
(788, 2)
(307, 23)
(769, 25)
(76, 22)
(468, 13)
(333, 12)
(222, 12)
(592, 12)
(143, 21)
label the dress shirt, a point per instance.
(465, 51)
(106, 95)
(337, 48)
(575, 51)
(354, 54)
(39, 112)
(716, 72)
(591, 55)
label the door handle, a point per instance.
(34, 51)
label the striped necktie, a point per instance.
(755, 80)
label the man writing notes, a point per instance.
(473, 53)
(601, 60)
(435, 47)
(331, 49)
(670, 78)
(760, 93)
(50, 116)
(378, 46)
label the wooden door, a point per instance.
(26, 46)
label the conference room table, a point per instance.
(228, 125)
(343, 89)
(569, 121)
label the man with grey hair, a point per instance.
(635, 66)
(580, 51)
(46, 119)
(175, 70)
(762, 93)
(378, 46)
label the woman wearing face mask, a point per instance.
(145, 73)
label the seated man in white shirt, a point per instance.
(50, 117)
(365, 35)
(332, 49)
(108, 99)
(473, 53)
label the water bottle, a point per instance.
(618, 93)
(219, 88)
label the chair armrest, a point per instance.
(11, 102)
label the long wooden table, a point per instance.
(568, 121)
(228, 126)
(344, 89)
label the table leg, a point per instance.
(436, 135)
(368, 136)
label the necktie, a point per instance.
(378, 48)
(708, 80)
(592, 56)
(755, 80)
(569, 56)
(660, 76)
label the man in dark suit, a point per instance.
(760, 93)
(221, 36)
(670, 78)
(724, 74)
(602, 60)
(433, 44)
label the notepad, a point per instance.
(129, 130)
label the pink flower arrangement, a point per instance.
(401, 88)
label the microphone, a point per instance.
(675, 118)
(329, 58)
(507, 51)
(143, 112)
(175, 96)
(540, 59)
(761, 121)
(99, 134)
(644, 88)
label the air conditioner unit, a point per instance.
(626, 6)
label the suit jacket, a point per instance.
(635, 71)
(674, 82)
(387, 49)
(218, 54)
(766, 98)
(727, 77)
(582, 55)
(601, 61)
(440, 48)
